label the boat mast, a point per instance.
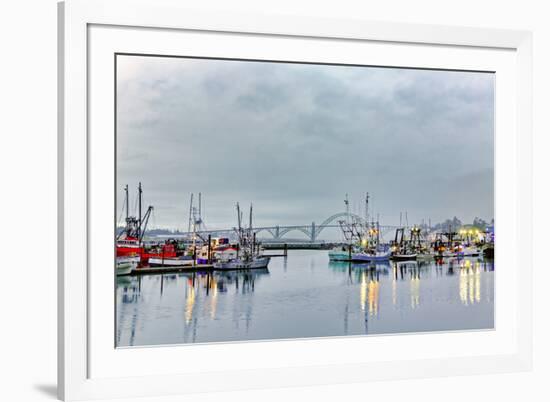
(239, 216)
(251, 239)
(377, 230)
(145, 221)
(194, 242)
(140, 192)
(346, 202)
(127, 203)
(367, 208)
(190, 214)
(200, 206)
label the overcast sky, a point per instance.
(293, 139)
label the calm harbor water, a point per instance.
(305, 295)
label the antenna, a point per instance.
(346, 202)
(377, 229)
(127, 202)
(250, 217)
(367, 207)
(190, 214)
(200, 206)
(239, 216)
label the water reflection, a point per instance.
(470, 280)
(373, 296)
(469, 270)
(305, 295)
(190, 303)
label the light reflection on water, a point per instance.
(305, 295)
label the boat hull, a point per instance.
(365, 257)
(339, 255)
(170, 262)
(469, 252)
(257, 263)
(404, 257)
(125, 265)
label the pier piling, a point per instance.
(209, 249)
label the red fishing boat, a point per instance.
(129, 242)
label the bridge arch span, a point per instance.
(300, 229)
(332, 218)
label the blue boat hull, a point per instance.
(363, 257)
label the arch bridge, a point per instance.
(311, 231)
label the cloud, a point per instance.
(293, 139)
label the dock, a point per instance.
(284, 254)
(167, 270)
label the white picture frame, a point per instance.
(89, 367)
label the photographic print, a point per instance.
(268, 200)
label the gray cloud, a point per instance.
(293, 139)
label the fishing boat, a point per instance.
(371, 256)
(204, 254)
(468, 251)
(444, 244)
(126, 264)
(158, 251)
(239, 263)
(404, 257)
(354, 233)
(128, 246)
(130, 241)
(340, 253)
(219, 249)
(225, 253)
(403, 249)
(181, 261)
(248, 253)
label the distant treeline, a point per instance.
(453, 224)
(456, 223)
(155, 232)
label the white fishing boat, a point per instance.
(256, 263)
(182, 261)
(247, 254)
(469, 251)
(355, 232)
(404, 249)
(126, 264)
(225, 254)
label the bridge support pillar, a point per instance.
(313, 233)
